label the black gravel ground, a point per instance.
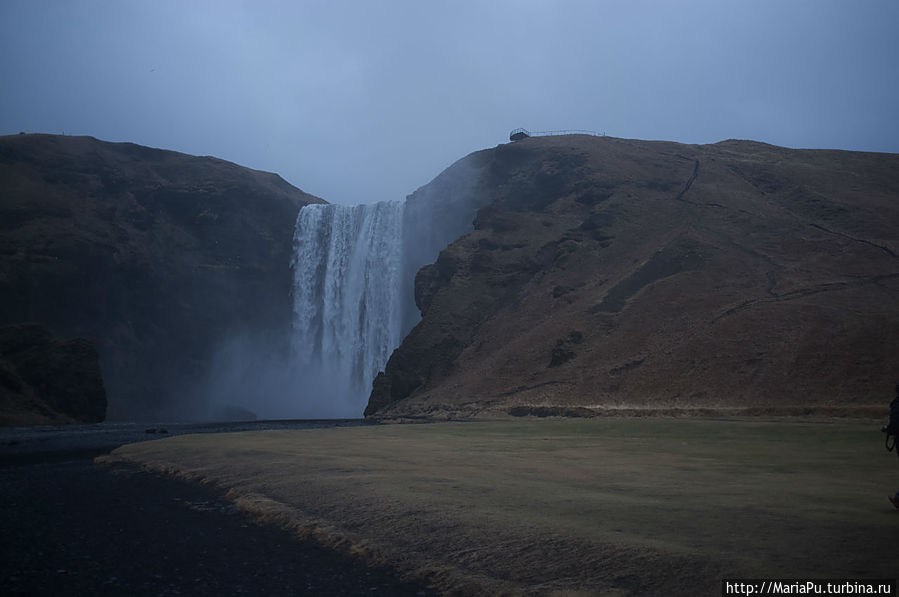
(71, 527)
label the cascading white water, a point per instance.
(348, 311)
(353, 295)
(353, 292)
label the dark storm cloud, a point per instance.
(364, 101)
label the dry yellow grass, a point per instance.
(569, 507)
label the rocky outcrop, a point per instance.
(607, 273)
(45, 380)
(155, 257)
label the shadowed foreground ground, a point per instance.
(569, 507)
(71, 527)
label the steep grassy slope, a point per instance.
(615, 273)
(152, 255)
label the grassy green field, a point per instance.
(611, 506)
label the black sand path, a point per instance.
(71, 527)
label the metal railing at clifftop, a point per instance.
(518, 134)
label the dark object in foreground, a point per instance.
(892, 428)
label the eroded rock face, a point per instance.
(733, 274)
(155, 257)
(45, 380)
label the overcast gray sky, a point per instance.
(360, 101)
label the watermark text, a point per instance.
(807, 586)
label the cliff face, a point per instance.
(45, 380)
(612, 273)
(153, 256)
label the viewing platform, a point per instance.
(519, 134)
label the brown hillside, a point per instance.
(154, 256)
(610, 273)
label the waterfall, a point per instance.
(354, 271)
(353, 302)
(348, 309)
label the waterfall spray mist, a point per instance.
(353, 295)
(353, 302)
